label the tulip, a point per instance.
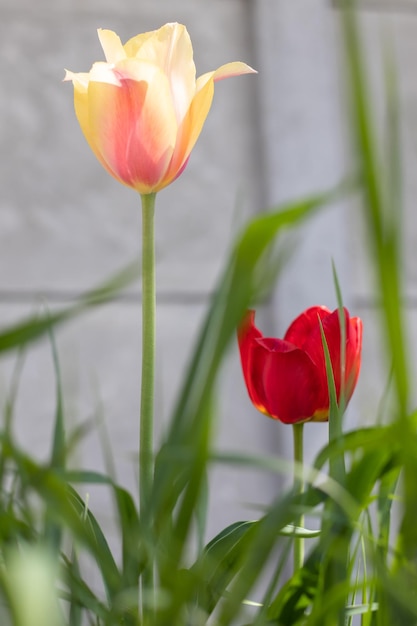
(286, 378)
(142, 110)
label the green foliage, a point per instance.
(358, 570)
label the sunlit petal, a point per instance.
(134, 45)
(112, 46)
(301, 328)
(104, 73)
(82, 112)
(80, 80)
(247, 336)
(236, 68)
(190, 129)
(170, 48)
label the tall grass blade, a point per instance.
(35, 327)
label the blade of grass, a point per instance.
(382, 220)
(35, 327)
(53, 531)
(219, 563)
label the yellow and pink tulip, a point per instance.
(143, 109)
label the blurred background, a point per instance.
(271, 138)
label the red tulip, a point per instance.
(286, 378)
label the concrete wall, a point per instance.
(65, 224)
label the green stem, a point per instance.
(297, 430)
(148, 351)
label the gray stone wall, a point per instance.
(65, 224)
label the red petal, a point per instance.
(314, 347)
(300, 330)
(247, 336)
(281, 379)
(353, 355)
(289, 380)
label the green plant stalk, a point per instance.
(297, 430)
(148, 351)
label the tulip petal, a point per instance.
(193, 122)
(134, 125)
(290, 381)
(314, 347)
(133, 46)
(80, 80)
(112, 46)
(301, 328)
(190, 129)
(203, 80)
(236, 68)
(353, 355)
(280, 378)
(247, 336)
(104, 73)
(81, 107)
(170, 48)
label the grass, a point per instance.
(357, 569)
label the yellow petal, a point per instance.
(190, 129)
(82, 112)
(112, 46)
(79, 80)
(132, 46)
(236, 68)
(170, 48)
(102, 72)
(202, 80)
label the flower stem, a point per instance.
(297, 430)
(148, 351)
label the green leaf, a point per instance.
(361, 609)
(133, 538)
(53, 531)
(75, 613)
(219, 562)
(97, 539)
(80, 595)
(262, 539)
(296, 595)
(297, 531)
(35, 327)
